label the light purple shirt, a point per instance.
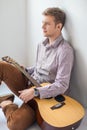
(53, 64)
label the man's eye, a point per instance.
(44, 24)
(47, 24)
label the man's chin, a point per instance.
(45, 35)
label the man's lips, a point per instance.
(44, 31)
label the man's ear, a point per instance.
(59, 26)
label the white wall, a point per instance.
(13, 29)
(75, 32)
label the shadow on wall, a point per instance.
(78, 89)
(78, 83)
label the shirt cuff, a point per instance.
(43, 91)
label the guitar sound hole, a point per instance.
(60, 98)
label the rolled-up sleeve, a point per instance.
(61, 83)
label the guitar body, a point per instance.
(68, 117)
(45, 126)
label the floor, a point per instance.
(5, 90)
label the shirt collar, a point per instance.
(54, 44)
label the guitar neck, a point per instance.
(27, 75)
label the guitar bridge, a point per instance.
(59, 105)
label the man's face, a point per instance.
(49, 27)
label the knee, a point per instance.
(13, 125)
(20, 124)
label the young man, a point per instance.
(53, 64)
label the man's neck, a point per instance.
(52, 39)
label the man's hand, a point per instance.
(26, 94)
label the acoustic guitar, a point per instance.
(59, 113)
